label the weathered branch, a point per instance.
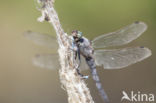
(74, 85)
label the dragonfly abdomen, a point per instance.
(92, 66)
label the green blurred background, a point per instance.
(21, 82)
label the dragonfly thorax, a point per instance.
(85, 47)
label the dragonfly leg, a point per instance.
(82, 76)
(78, 71)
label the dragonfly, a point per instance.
(106, 58)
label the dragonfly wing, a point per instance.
(120, 37)
(48, 61)
(42, 39)
(119, 58)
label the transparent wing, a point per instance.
(120, 37)
(42, 39)
(48, 61)
(119, 58)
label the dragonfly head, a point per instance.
(76, 34)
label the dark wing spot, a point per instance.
(141, 46)
(137, 22)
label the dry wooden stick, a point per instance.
(75, 86)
